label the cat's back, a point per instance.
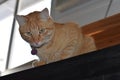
(71, 25)
(68, 30)
(68, 26)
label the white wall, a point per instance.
(90, 12)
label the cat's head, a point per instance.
(37, 28)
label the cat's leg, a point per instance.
(38, 63)
(89, 45)
(69, 50)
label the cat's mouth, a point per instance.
(37, 45)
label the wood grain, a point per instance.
(106, 32)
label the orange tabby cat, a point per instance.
(53, 41)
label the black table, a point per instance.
(99, 65)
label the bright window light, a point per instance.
(5, 31)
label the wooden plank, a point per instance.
(110, 32)
(107, 42)
(101, 24)
(106, 32)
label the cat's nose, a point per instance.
(36, 42)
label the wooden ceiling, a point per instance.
(106, 32)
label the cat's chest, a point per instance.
(49, 54)
(52, 51)
(49, 50)
(45, 50)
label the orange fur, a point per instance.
(65, 40)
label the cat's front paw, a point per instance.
(38, 63)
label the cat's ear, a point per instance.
(44, 14)
(21, 20)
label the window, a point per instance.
(20, 51)
(6, 21)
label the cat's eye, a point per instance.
(28, 33)
(42, 30)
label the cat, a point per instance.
(53, 41)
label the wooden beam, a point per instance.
(106, 32)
